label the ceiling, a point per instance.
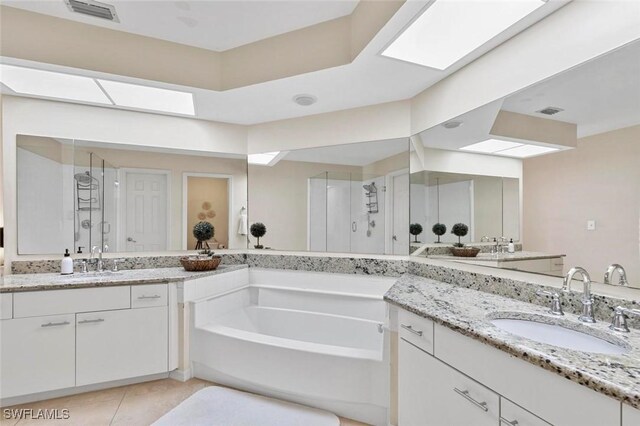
(599, 96)
(355, 154)
(370, 79)
(213, 25)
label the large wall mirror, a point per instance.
(555, 167)
(79, 195)
(350, 198)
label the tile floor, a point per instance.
(133, 405)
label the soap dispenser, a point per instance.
(66, 266)
(512, 247)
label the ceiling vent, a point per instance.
(550, 110)
(93, 8)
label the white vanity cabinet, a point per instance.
(37, 354)
(630, 416)
(114, 345)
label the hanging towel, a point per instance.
(242, 224)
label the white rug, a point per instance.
(216, 406)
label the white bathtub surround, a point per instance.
(217, 406)
(311, 338)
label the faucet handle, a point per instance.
(84, 269)
(115, 265)
(619, 321)
(556, 305)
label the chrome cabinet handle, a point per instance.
(509, 422)
(465, 395)
(91, 321)
(411, 330)
(55, 324)
(155, 296)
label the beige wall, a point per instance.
(201, 190)
(600, 180)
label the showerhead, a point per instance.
(83, 178)
(370, 188)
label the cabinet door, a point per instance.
(514, 415)
(114, 345)
(630, 416)
(432, 393)
(37, 354)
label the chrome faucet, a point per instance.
(587, 298)
(611, 270)
(98, 260)
(619, 322)
(556, 304)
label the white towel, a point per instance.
(242, 224)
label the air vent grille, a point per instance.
(550, 110)
(93, 8)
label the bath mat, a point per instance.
(217, 406)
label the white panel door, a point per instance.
(114, 345)
(400, 239)
(146, 212)
(37, 354)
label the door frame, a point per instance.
(229, 178)
(389, 208)
(122, 211)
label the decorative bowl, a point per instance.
(195, 264)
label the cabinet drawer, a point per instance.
(416, 330)
(53, 302)
(6, 305)
(145, 296)
(514, 415)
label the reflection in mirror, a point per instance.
(115, 198)
(346, 198)
(571, 146)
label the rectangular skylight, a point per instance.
(527, 151)
(263, 159)
(150, 98)
(490, 146)
(29, 81)
(449, 30)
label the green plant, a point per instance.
(459, 230)
(258, 230)
(203, 231)
(439, 229)
(415, 229)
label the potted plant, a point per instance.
(460, 230)
(439, 229)
(415, 229)
(258, 230)
(203, 231)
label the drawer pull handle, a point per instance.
(155, 296)
(91, 321)
(509, 422)
(55, 324)
(411, 330)
(465, 395)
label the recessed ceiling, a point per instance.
(599, 96)
(355, 154)
(213, 25)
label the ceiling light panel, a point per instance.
(525, 151)
(29, 81)
(449, 30)
(490, 146)
(149, 98)
(262, 159)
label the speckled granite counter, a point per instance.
(469, 312)
(505, 257)
(37, 282)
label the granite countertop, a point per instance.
(469, 312)
(37, 282)
(502, 257)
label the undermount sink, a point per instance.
(559, 335)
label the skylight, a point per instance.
(449, 30)
(145, 97)
(49, 84)
(508, 148)
(264, 159)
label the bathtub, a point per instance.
(313, 338)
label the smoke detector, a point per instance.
(550, 110)
(305, 100)
(93, 8)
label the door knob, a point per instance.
(395, 238)
(131, 240)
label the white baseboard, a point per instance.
(181, 375)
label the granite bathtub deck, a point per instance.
(505, 257)
(469, 312)
(38, 282)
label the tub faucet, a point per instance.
(587, 299)
(611, 270)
